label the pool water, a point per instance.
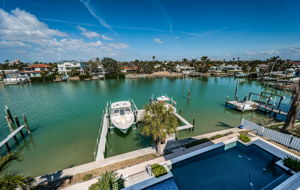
(239, 167)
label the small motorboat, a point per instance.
(121, 115)
(167, 100)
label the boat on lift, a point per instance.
(169, 102)
(121, 115)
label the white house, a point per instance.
(67, 66)
(184, 69)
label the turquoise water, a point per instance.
(65, 117)
(241, 167)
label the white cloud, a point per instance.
(91, 34)
(11, 44)
(20, 29)
(87, 33)
(250, 53)
(106, 38)
(157, 40)
(20, 24)
(118, 45)
(271, 52)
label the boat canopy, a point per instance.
(122, 104)
(163, 98)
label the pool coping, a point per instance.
(149, 182)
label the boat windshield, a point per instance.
(116, 112)
(127, 110)
(122, 112)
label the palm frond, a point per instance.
(12, 181)
(8, 158)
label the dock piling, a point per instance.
(26, 124)
(18, 125)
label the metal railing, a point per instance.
(284, 139)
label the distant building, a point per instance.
(66, 66)
(234, 68)
(184, 69)
(132, 69)
(35, 70)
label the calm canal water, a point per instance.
(65, 117)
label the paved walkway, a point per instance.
(93, 165)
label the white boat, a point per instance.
(121, 115)
(167, 100)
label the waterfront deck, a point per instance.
(255, 106)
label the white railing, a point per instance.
(285, 139)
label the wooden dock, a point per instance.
(186, 125)
(15, 127)
(255, 106)
(102, 141)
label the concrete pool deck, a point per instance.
(137, 173)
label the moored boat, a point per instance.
(121, 115)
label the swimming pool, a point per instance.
(228, 167)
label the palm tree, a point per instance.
(153, 58)
(159, 123)
(294, 110)
(204, 59)
(108, 181)
(10, 180)
(273, 60)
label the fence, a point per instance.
(285, 139)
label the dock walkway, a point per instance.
(102, 141)
(11, 135)
(187, 124)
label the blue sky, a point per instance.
(53, 30)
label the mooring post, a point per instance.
(9, 124)
(7, 147)
(180, 112)
(193, 124)
(18, 125)
(26, 124)
(227, 99)
(8, 114)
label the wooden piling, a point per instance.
(180, 112)
(193, 124)
(18, 125)
(26, 124)
(9, 124)
(7, 147)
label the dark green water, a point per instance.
(65, 117)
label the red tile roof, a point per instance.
(39, 66)
(131, 68)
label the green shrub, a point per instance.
(217, 136)
(82, 77)
(87, 177)
(120, 75)
(244, 138)
(158, 170)
(197, 142)
(292, 163)
(108, 181)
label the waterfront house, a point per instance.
(35, 70)
(131, 69)
(232, 68)
(184, 69)
(66, 66)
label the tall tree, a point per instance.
(12, 181)
(274, 61)
(159, 123)
(153, 58)
(294, 110)
(110, 65)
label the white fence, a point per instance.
(287, 140)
